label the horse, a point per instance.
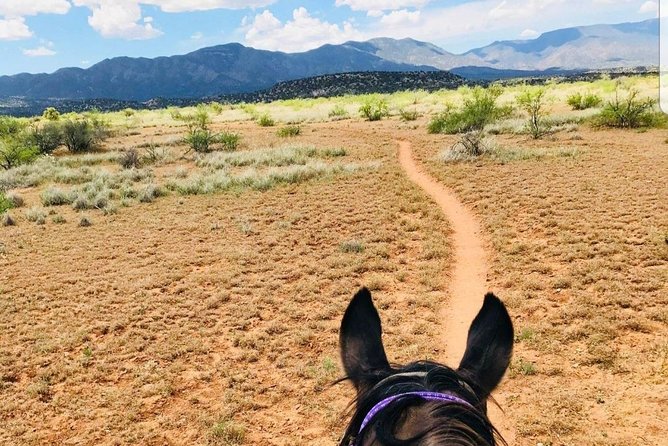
(423, 403)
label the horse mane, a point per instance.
(441, 422)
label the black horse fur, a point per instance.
(412, 420)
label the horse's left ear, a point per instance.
(362, 351)
(489, 346)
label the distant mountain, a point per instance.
(580, 48)
(224, 69)
(234, 68)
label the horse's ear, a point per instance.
(489, 346)
(362, 351)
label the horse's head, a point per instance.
(423, 403)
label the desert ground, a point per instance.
(207, 314)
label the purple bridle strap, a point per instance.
(430, 396)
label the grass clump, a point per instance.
(265, 120)
(228, 433)
(374, 109)
(54, 196)
(289, 131)
(479, 109)
(338, 112)
(130, 159)
(149, 193)
(36, 215)
(85, 221)
(580, 101)
(352, 247)
(6, 219)
(408, 115)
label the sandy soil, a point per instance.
(188, 319)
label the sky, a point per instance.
(43, 35)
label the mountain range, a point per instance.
(234, 68)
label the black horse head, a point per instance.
(423, 403)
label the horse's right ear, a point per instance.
(362, 351)
(489, 346)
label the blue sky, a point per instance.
(44, 35)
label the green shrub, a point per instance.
(229, 140)
(289, 131)
(533, 100)
(579, 101)
(266, 121)
(128, 112)
(51, 114)
(479, 109)
(628, 112)
(338, 112)
(16, 151)
(408, 115)
(78, 136)
(200, 140)
(11, 126)
(47, 138)
(5, 203)
(374, 110)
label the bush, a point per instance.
(374, 110)
(51, 114)
(629, 112)
(129, 159)
(54, 196)
(78, 136)
(288, 131)
(15, 151)
(532, 100)
(47, 138)
(408, 115)
(229, 140)
(579, 101)
(200, 140)
(15, 199)
(338, 112)
(265, 121)
(11, 126)
(479, 110)
(5, 203)
(6, 219)
(470, 145)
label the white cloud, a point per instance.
(118, 19)
(14, 29)
(197, 36)
(205, 5)
(529, 33)
(649, 7)
(41, 51)
(302, 33)
(381, 5)
(22, 8)
(403, 16)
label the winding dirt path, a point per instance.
(469, 279)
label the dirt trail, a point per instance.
(469, 279)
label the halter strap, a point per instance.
(430, 396)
